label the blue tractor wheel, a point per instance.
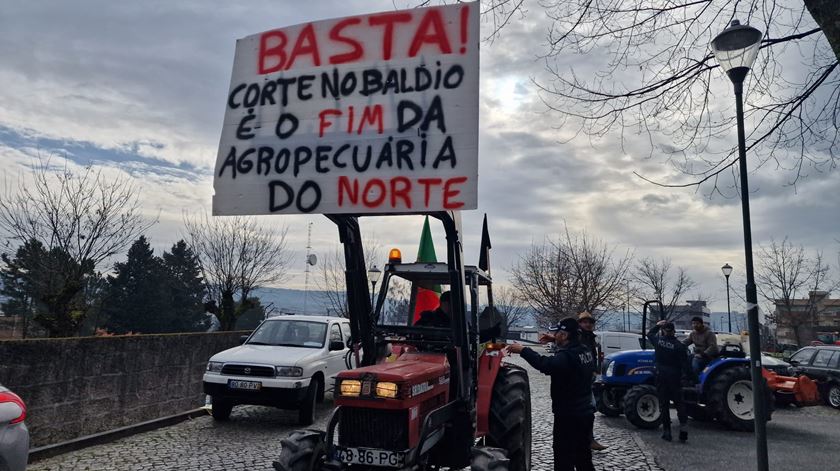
(641, 406)
(608, 401)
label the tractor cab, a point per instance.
(426, 394)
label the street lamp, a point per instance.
(735, 49)
(727, 270)
(373, 274)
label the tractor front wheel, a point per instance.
(303, 450)
(641, 406)
(486, 458)
(510, 417)
(608, 402)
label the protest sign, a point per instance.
(365, 114)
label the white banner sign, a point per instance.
(366, 114)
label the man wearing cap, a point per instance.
(571, 369)
(705, 344)
(671, 360)
(587, 337)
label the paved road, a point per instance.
(251, 440)
(797, 439)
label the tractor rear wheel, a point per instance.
(731, 399)
(608, 402)
(303, 450)
(510, 417)
(485, 458)
(641, 406)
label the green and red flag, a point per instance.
(428, 297)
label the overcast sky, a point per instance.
(140, 88)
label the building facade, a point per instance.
(803, 321)
(681, 315)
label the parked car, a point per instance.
(612, 342)
(822, 364)
(14, 436)
(288, 362)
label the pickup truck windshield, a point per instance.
(290, 333)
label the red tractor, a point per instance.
(424, 397)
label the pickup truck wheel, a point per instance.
(832, 396)
(641, 406)
(306, 413)
(220, 408)
(485, 458)
(303, 450)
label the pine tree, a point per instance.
(139, 299)
(186, 288)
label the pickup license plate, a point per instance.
(371, 457)
(246, 385)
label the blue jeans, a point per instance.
(698, 364)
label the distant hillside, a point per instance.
(293, 300)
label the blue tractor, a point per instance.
(723, 391)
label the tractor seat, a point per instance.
(732, 351)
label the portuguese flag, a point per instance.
(427, 296)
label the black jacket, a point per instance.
(436, 318)
(590, 341)
(671, 355)
(571, 370)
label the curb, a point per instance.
(49, 451)
(650, 456)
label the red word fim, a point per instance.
(278, 51)
(395, 193)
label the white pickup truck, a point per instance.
(287, 362)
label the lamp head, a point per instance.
(727, 270)
(736, 49)
(374, 273)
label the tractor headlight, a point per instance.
(386, 390)
(350, 387)
(289, 371)
(214, 366)
(610, 369)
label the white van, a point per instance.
(612, 342)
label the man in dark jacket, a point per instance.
(590, 341)
(671, 358)
(440, 317)
(571, 368)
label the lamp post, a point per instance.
(736, 49)
(373, 274)
(727, 270)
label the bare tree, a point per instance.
(510, 305)
(656, 282)
(657, 72)
(237, 256)
(331, 281)
(576, 273)
(80, 219)
(786, 277)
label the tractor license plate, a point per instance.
(371, 457)
(246, 385)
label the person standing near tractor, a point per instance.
(571, 369)
(705, 344)
(671, 360)
(589, 340)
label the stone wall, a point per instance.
(78, 386)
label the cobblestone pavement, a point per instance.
(251, 440)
